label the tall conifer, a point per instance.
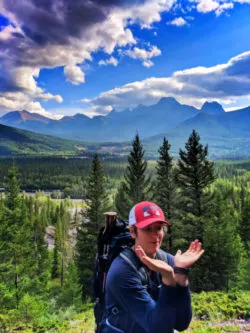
(92, 220)
(16, 261)
(195, 174)
(136, 186)
(164, 187)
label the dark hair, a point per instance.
(134, 228)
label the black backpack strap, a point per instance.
(131, 258)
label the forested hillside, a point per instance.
(45, 289)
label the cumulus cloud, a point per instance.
(63, 33)
(217, 6)
(205, 6)
(111, 61)
(74, 74)
(18, 101)
(148, 63)
(179, 22)
(223, 8)
(223, 83)
(143, 54)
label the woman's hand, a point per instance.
(188, 258)
(158, 266)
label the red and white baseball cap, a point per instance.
(145, 213)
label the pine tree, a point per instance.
(71, 293)
(194, 175)
(96, 194)
(16, 260)
(136, 186)
(121, 202)
(87, 232)
(219, 267)
(39, 248)
(244, 228)
(164, 189)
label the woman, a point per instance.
(161, 305)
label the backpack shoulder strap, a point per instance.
(131, 258)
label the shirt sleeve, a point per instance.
(171, 310)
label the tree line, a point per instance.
(35, 281)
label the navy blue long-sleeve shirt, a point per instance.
(139, 311)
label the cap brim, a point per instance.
(150, 221)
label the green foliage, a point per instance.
(216, 305)
(31, 301)
(164, 187)
(71, 292)
(136, 186)
(194, 174)
(17, 265)
(92, 219)
(96, 195)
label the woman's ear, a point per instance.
(132, 232)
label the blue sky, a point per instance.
(62, 57)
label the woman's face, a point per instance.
(150, 238)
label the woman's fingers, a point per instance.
(153, 264)
(140, 252)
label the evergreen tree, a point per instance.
(39, 248)
(121, 202)
(244, 227)
(16, 260)
(219, 267)
(164, 189)
(136, 186)
(87, 232)
(55, 261)
(96, 194)
(194, 175)
(71, 293)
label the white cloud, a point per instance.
(35, 44)
(179, 22)
(225, 83)
(206, 6)
(111, 61)
(74, 74)
(143, 55)
(224, 7)
(49, 96)
(148, 63)
(63, 33)
(85, 100)
(217, 6)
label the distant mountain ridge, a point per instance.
(167, 117)
(16, 117)
(116, 126)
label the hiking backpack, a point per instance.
(110, 243)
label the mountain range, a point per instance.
(225, 132)
(159, 118)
